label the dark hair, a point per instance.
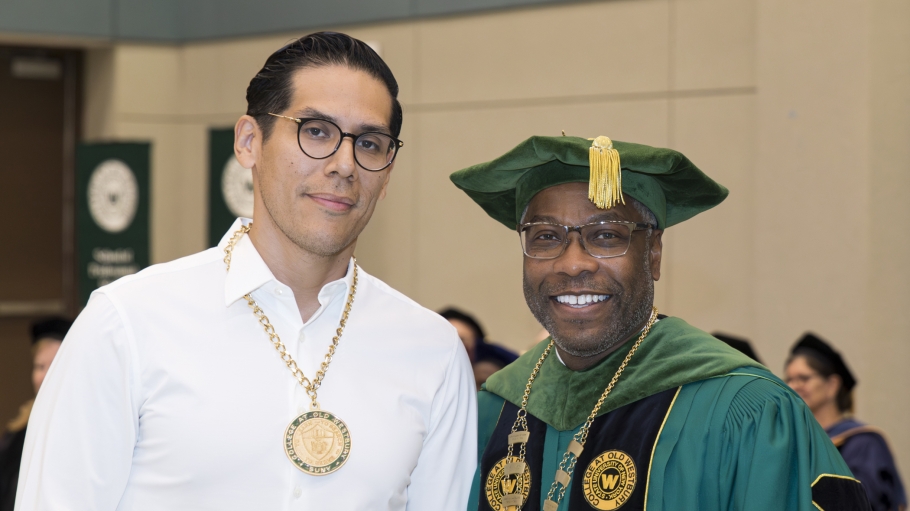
(272, 87)
(464, 317)
(54, 327)
(826, 369)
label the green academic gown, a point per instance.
(692, 424)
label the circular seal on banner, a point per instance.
(237, 188)
(609, 480)
(317, 442)
(498, 484)
(113, 196)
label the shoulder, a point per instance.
(390, 309)
(746, 394)
(862, 438)
(401, 304)
(747, 382)
(692, 347)
(185, 272)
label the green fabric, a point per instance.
(673, 354)
(664, 180)
(489, 408)
(740, 441)
(556, 443)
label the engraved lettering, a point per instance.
(609, 481)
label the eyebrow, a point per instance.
(312, 113)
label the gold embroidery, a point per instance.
(609, 480)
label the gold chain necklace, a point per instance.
(509, 482)
(317, 442)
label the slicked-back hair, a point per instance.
(272, 88)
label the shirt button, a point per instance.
(279, 291)
(297, 492)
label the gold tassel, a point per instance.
(605, 188)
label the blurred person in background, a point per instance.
(486, 358)
(820, 376)
(47, 335)
(739, 344)
(193, 384)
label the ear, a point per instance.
(385, 184)
(247, 142)
(832, 386)
(657, 248)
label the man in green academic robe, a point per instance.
(623, 408)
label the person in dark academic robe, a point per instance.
(486, 358)
(739, 344)
(818, 373)
(47, 335)
(623, 408)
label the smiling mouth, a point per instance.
(581, 300)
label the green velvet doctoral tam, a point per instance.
(692, 424)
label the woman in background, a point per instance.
(819, 375)
(486, 358)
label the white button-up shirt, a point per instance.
(168, 395)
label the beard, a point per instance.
(634, 308)
(304, 232)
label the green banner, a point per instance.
(112, 220)
(230, 185)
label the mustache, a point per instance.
(587, 282)
(339, 188)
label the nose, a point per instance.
(575, 260)
(342, 162)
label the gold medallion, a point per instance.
(317, 442)
(609, 480)
(499, 484)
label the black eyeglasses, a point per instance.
(545, 240)
(321, 138)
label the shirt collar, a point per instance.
(249, 272)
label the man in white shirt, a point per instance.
(170, 392)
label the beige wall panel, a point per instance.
(714, 44)
(398, 48)
(883, 383)
(97, 108)
(193, 175)
(709, 258)
(463, 257)
(148, 80)
(386, 248)
(217, 74)
(582, 49)
(812, 178)
(167, 199)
